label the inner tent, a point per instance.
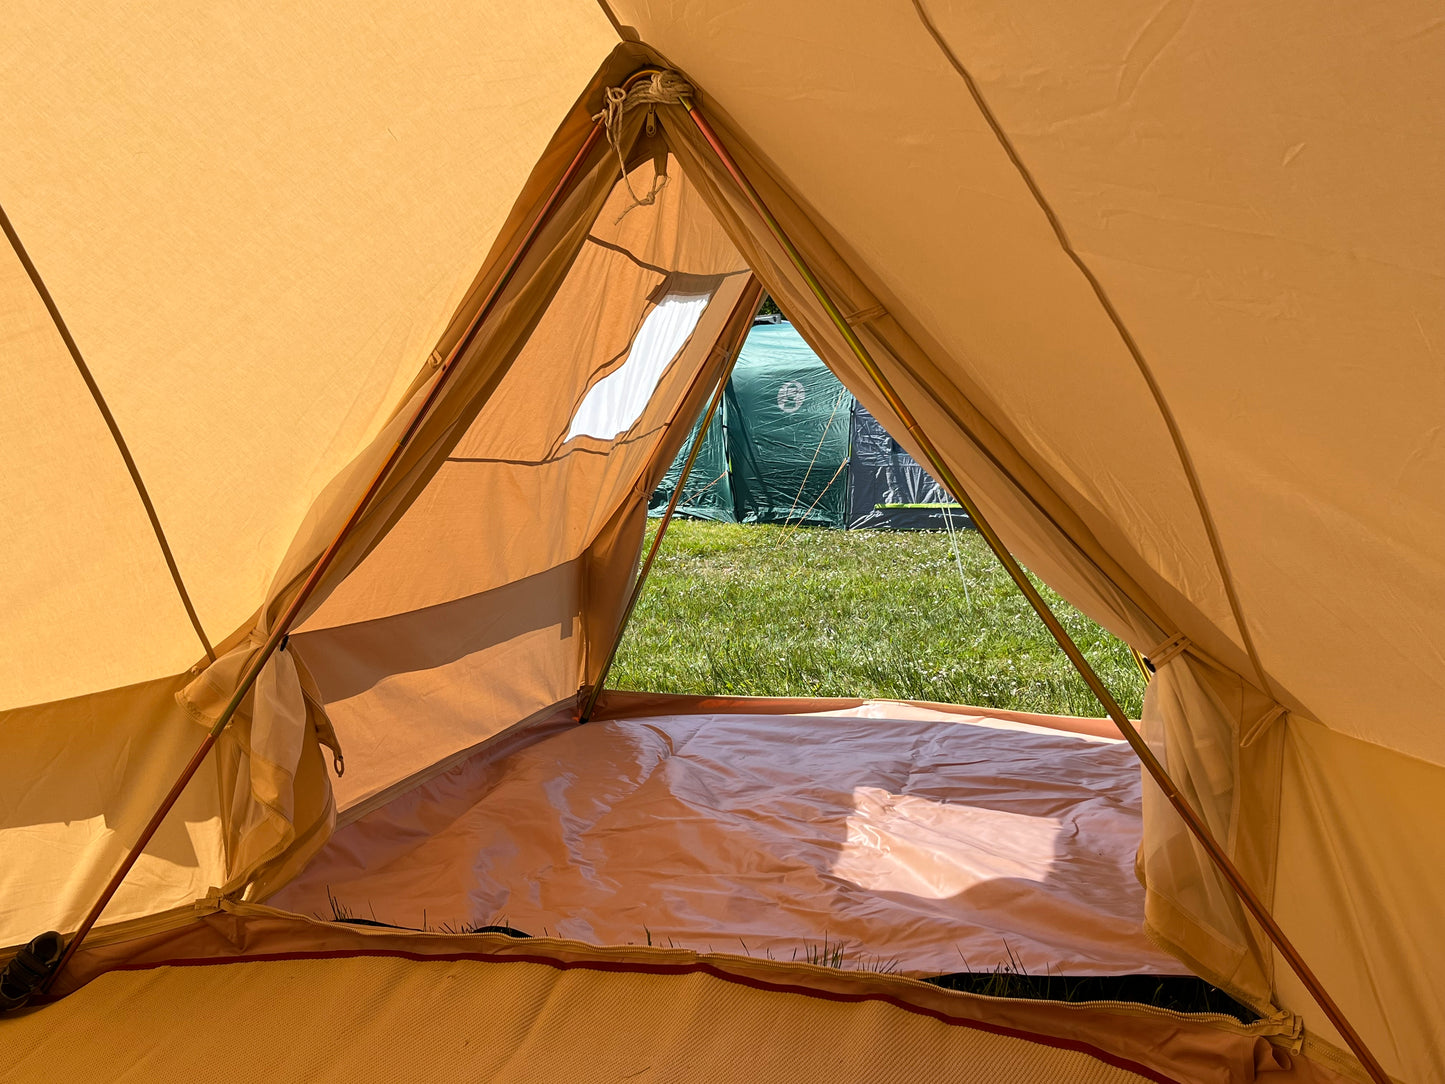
(913, 838)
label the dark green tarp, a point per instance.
(779, 452)
(787, 431)
(709, 492)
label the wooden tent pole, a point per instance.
(590, 704)
(282, 626)
(1192, 820)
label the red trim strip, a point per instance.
(699, 966)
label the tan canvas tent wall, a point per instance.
(1162, 284)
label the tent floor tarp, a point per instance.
(289, 998)
(900, 836)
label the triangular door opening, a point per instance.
(875, 835)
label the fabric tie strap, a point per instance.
(1167, 651)
(1256, 729)
(865, 316)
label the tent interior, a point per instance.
(887, 835)
(449, 496)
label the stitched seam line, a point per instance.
(110, 424)
(1210, 530)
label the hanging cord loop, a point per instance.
(665, 87)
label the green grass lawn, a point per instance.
(785, 611)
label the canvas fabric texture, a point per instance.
(192, 188)
(542, 1023)
(564, 519)
(219, 419)
(1174, 324)
(254, 940)
(1208, 703)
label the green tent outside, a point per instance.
(786, 423)
(709, 491)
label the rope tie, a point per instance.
(666, 88)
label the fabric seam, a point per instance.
(1170, 423)
(699, 967)
(112, 425)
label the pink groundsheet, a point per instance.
(908, 839)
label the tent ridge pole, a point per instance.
(282, 626)
(1192, 820)
(590, 704)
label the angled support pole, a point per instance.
(1192, 820)
(751, 299)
